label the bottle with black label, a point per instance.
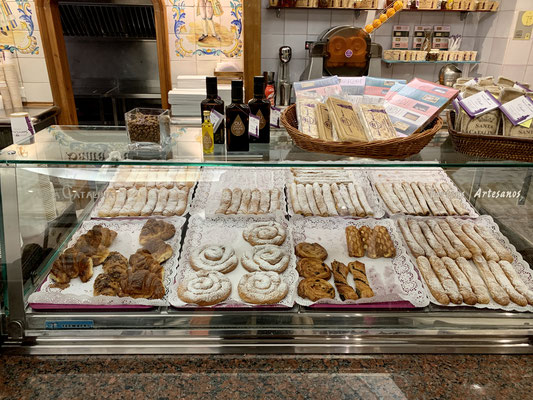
(237, 117)
(260, 107)
(213, 102)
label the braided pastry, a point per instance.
(204, 288)
(264, 233)
(214, 258)
(311, 250)
(340, 273)
(262, 287)
(266, 257)
(358, 271)
(313, 268)
(156, 229)
(315, 289)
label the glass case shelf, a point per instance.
(429, 62)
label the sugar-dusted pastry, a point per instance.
(315, 289)
(463, 237)
(504, 282)
(445, 200)
(319, 199)
(388, 196)
(341, 206)
(262, 287)
(156, 229)
(182, 201)
(431, 239)
(245, 201)
(151, 200)
(161, 178)
(218, 258)
(494, 243)
(110, 196)
(236, 196)
(204, 288)
(119, 202)
(486, 250)
(141, 178)
(162, 197)
(340, 275)
(434, 285)
(172, 202)
(328, 199)
(140, 201)
(497, 293)
(347, 200)
(275, 203)
(354, 242)
(142, 284)
(121, 177)
(517, 281)
(411, 197)
(455, 200)
(313, 268)
(454, 240)
(358, 271)
(267, 257)
(420, 198)
(225, 201)
(254, 202)
(310, 250)
(264, 201)
(460, 280)
(160, 250)
(429, 199)
(412, 243)
(310, 194)
(475, 280)
(360, 209)
(439, 208)
(130, 202)
(302, 200)
(420, 238)
(442, 239)
(293, 194)
(268, 232)
(446, 280)
(404, 199)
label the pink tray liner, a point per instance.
(46, 306)
(392, 304)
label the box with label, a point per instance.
(441, 34)
(419, 35)
(400, 37)
(428, 4)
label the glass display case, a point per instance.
(109, 247)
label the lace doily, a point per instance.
(228, 231)
(214, 180)
(127, 243)
(427, 175)
(392, 280)
(522, 268)
(360, 178)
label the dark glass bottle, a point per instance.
(237, 117)
(260, 107)
(213, 102)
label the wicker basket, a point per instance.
(397, 148)
(490, 146)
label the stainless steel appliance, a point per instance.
(284, 76)
(449, 74)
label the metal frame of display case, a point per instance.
(299, 330)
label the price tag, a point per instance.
(216, 119)
(253, 126)
(275, 114)
(479, 104)
(519, 111)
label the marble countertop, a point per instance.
(266, 377)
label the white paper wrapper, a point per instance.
(214, 180)
(228, 231)
(427, 175)
(521, 267)
(358, 177)
(127, 243)
(391, 279)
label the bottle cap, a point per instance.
(259, 85)
(236, 90)
(211, 85)
(269, 76)
(207, 113)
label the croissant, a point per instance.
(156, 229)
(159, 249)
(72, 264)
(105, 285)
(116, 266)
(142, 284)
(142, 260)
(108, 235)
(97, 254)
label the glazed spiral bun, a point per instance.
(217, 258)
(315, 289)
(204, 288)
(313, 268)
(266, 257)
(269, 232)
(264, 287)
(311, 250)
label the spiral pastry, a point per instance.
(269, 232)
(204, 288)
(266, 257)
(214, 258)
(263, 287)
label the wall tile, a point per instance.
(272, 24)
(497, 53)
(319, 21)
(484, 48)
(387, 27)
(515, 72)
(297, 44)
(427, 72)
(342, 17)
(39, 92)
(270, 45)
(504, 23)
(494, 70)
(296, 22)
(384, 41)
(528, 76)
(296, 69)
(507, 5)
(270, 64)
(411, 18)
(454, 21)
(471, 24)
(486, 25)
(184, 67)
(206, 67)
(517, 52)
(403, 71)
(33, 70)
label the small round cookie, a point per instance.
(266, 257)
(263, 287)
(268, 232)
(313, 268)
(311, 250)
(315, 289)
(214, 258)
(204, 288)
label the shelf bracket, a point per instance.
(357, 13)
(463, 15)
(278, 12)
